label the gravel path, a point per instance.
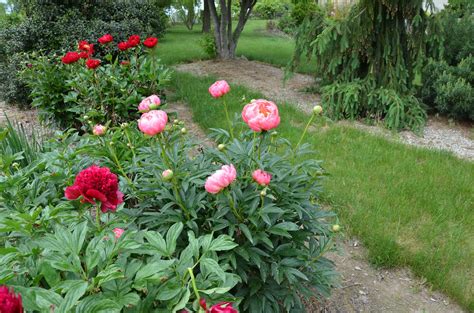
(268, 80)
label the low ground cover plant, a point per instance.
(139, 217)
(99, 82)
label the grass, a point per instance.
(181, 45)
(410, 206)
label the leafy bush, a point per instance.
(208, 44)
(51, 26)
(448, 89)
(363, 99)
(270, 9)
(72, 94)
(258, 241)
(460, 45)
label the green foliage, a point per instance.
(271, 9)
(449, 89)
(208, 44)
(52, 26)
(66, 93)
(383, 44)
(461, 45)
(263, 251)
(363, 99)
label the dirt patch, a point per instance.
(363, 287)
(367, 289)
(267, 79)
(264, 78)
(25, 117)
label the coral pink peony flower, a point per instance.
(106, 39)
(133, 41)
(118, 232)
(9, 302)
(261, 177)
(96, 184)
(149, 103)
(261, 115)
(153, 122)
(220, 179)
(219, 88)
(99, 130)
(223, 307)
(123, 45)
(70, 57)
(150, 42)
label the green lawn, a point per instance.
(409, 206)
(181, 45)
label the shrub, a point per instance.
(238, 223)
(74, 95)
(448, 89)
(461, 45)
(270, 9)
(51, 26)
(208, 44)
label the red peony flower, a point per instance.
(70, 57)
(96, 184)
(92, 63)
(123, 45)
(133, 41)
(9, 302)
(125, 63)
(223, 307)
(83, 55)
(150, 42)
(106, 39)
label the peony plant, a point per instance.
(98, 83)
(143, 218)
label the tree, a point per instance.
(206, 18)
(371, 60)
(225, 36)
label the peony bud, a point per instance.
(263, 193)
(167, 175)
(15, 164)
(175, 121)
(274, 133)
(184, 130)
(123, 125)
(86, 117)
(336, 228)
(118, 232)
(317, 109)
(202, 303)
(99, 130)
(221, 147)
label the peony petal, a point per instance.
(72, 192)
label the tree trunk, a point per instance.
(206, 18)
(226, 37)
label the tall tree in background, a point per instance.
(206, 18)
(226, 37)
(371, 60)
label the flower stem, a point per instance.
(305, 130)
(193, 283)
(228, 119)
(232, 206)
(97, 217)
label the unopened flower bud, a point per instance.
(263, 193)
(167, 175)
(221, 147)
(123, 125)
(86, 117)
(184, 130)
(317, 109)
(274, 133)
(99, 130)
(202, 303)
(175, 121)
(336, 228)
(15, 164)
(111, 143)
